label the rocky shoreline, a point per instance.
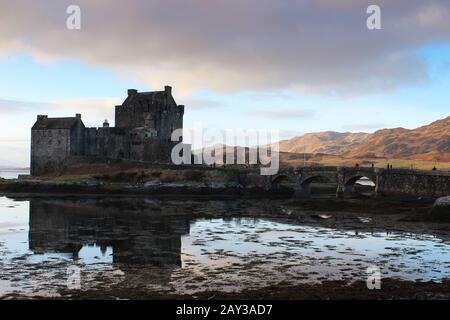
(391, 289)
(150, 188)
(186, 190)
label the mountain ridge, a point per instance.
(430, 142)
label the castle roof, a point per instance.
(143, 96)
(137, 97)
(55, 123)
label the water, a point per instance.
(12, 173)
(187, 247)
(366, 182)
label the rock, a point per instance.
(92, 183)
(365, 219)
(152, 183)
(442, 202)
(235, 185)
(224, 185)
(321, 216)
(181, 185)
(441, 209)
(217, 185)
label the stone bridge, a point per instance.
(387, 181)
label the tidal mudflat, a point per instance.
(116, 247)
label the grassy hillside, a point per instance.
(428, 143)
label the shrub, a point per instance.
(193, 175)
(168, 176)
(155, 174)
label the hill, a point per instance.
(427, 143)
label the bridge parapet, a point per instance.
(387, 181)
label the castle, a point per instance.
(143, 127)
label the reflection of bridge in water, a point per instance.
(387, 181)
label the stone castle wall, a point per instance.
(119, 143)
(49, 148)
(157, 113)
(144, 125)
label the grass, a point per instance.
(329, 160)
(119, 173)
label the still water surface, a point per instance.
(170, 246)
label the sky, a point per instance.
(298, 66)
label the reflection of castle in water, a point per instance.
(138, 232)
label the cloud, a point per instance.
(201, 104)
(282, 113)
(91, 108)
(320, 47)
(13, 106)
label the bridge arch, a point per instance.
(306, 181)
(351, 182)
(278, 179)
(307, 186)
